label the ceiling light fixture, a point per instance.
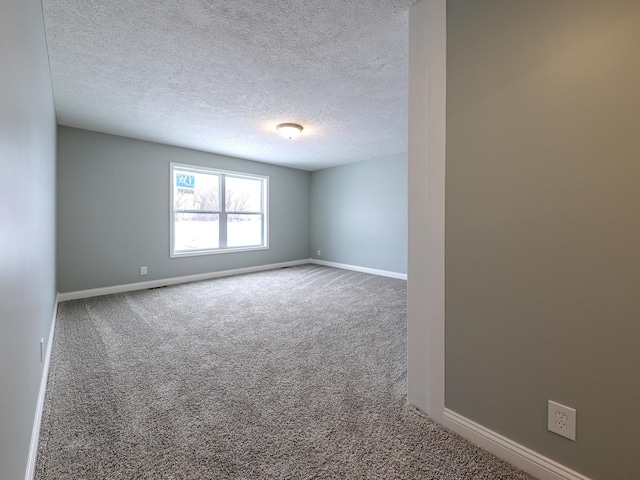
(289, 130)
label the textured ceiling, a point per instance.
(219, 75)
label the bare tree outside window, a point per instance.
(236, 201)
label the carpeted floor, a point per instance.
(297, 373)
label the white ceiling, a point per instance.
(219, 75)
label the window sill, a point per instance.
(219, 251)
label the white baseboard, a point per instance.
(522, 457)
(163, 282)
(35, 433)
(372, 271)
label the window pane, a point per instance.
(244, 230)
(195, 191)
(243, 194)
(196, 231)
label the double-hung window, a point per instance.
(217, 211)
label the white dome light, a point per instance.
(289, 130)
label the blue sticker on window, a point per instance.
(185, 181)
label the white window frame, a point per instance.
(222, 214)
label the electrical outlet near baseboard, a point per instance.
(143, 270)
(319, 254)
(41, 350)
(562, 420)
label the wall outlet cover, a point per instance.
(562, 420)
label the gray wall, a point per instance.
(27, 210)
(113, 211)
(543, 224)
(359, 214)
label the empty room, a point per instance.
(391, 239)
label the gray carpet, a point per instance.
(297, 373)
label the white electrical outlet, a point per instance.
(319, 253)
(143, 270)
(41, 350)
(562, 420)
